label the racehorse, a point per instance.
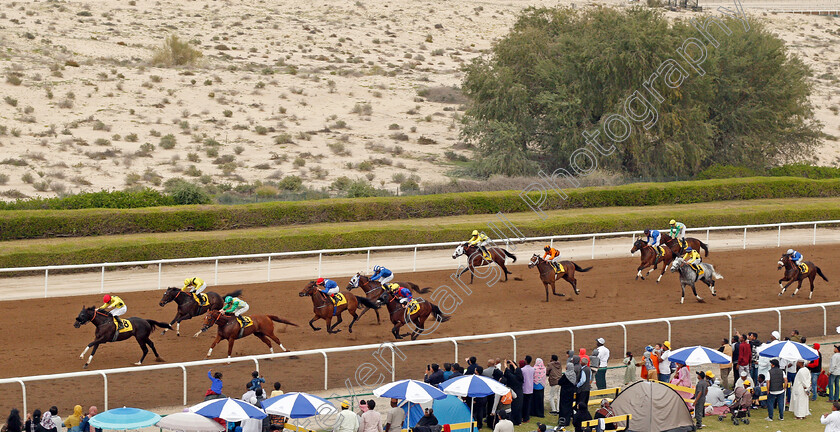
(794, 274)
(189, 308)
(651, 258)
(548, 276)
(324, 309)
(475, 258)
(692, 242)
(230, 329)
(417, 319)
(106, 331)
(688, 277)
(374, 289)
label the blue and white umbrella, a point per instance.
(473, 386)
(228, 409)
(411, 390)
(788, 350)
(698, 355)
(124, 419)
(297, 405)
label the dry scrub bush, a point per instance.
(175, 52)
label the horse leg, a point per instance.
(355, 318)
(276, 339)
(573, 282)
(798, 287)
(142, 347)
(174, 320)
(95, 345)
(664, 266)
(419, 329)
(472, 273)
(331, 328)
(154, 350)
(554, 289)
(213, 345)
(231, 340)
(782, 287)
(546, 291)
(504, 269)
(315, 318)
(813, 276)
(711, 285)
(266, 341)
(682, 292)
(694, 290)
(396, 330)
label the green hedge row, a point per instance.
(25, 224)
(149, 247)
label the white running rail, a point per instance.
(322, 252)
(105, 373)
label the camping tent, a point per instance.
(655, 407)
(448, 411)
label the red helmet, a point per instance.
(320, 281)
(107, 298)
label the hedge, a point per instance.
(182, 245)
(26, 224)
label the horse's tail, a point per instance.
(439, 315)
(417, 289)
(704, 246)
(509, 255)
(154, 324)
(582, 270)
(819, 272)
(716, 274)
(276, 318)
(236, 293)
(367, 302)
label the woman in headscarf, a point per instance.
(568, 385)
(33, 422)
(583, 354)
(538, 398)
(73, 421)
(605, 411)
(630, 370)
(48, 423)
(14, 422)
(682, 377)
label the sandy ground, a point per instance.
(311, 88)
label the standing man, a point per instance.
(815, 367)
(752, 338)
(348, 421)
(554, 370)
(603, 359)
(776, 384)
(726, 369)
(664, 364)
(394, 418)
(527, 388)
(700, 392)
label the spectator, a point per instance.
(795, 336)
(479, 404)
(33, 422)
(756, 389)
(744, 355)
(47, 422)
(363, 406)
(538, 399)
(800, 389)
(92, 411)
(394, 418)
(246, 397)
(256, 381)
(278, 390)
(664, 364)
(371, 420)
(216, 384)
(554, 372)
(13, 423)
(502, 422)
(514, 380)
(605, 411)
(447, 371)
(72, 422)
(790, 372)
(457, 371)
(752, 338)
(603, 354)
(433, 376)
(742, 379)
(582, 354)
(682, 377)
(815, 367)
(527, 387)
(568, 385)
(653, 374)
(630, 369)
(776, 383)
(700, 392)
(472, 362)
(428, 419)
(581, 413)
(584, 385)
(726, 369)
(832, 419)
(347, 420)
(488, 371)
(714, 397)
(834, 376)
(59, 425)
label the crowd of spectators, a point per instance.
(50, 421)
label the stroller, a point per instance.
(740, 408)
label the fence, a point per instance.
(415, 247)
(449, 340)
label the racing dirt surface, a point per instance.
(38, 336)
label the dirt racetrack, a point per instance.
(38, 336)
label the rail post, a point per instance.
(326, 370)
(778, 238)
(815, 234)
(415, 258)
(105, 380)
(593, 247)
(367, 267)
(46, 279)
(183, 369)
(623, 327)
(320, 255)
(216, 272)
(707, 235)
(456, 349)
(102, 281)
(513, 336)
(745, 237)
(669, 330)
(572, 332)
(551, 242)
(825, 321)
(730, 325)
(393, 364)
(23, 390)
(780, 320)
(256, 363)
(160, 270)
(269, 268)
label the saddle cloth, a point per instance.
(201, 299)
(660, 250)
(413, 307)
(126, 325)
(559, 268)
(339, 299)
(245, 321)
(803, 268)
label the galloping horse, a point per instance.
(374, 289)
(688, 277)
(230, 329)
(188, 307)
(548, 276)
(106, 331)
(324, 309)
(418, 318)
(690, 241)
(651, 258)
(794, 274)
(475, 259)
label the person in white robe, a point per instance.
(800, 389)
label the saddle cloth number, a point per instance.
(559, 268)
(126, 325)
(202, 299)
(245, 321)
(803, 268)
(413, 307)
(340, 299)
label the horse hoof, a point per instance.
(577, 292)
(159, 360)
(163, 333)
(85, 366)
(138, 364)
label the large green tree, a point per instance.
(562, 71)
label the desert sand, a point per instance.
(316, 89)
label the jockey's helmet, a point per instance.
(689, 249)
(188, 281)
(547, 248)
(647, 232)
(228, 299)
(320, 281)
(377, 268)
(789, 252)
(475, 232)
(107, 298)
(673, 222)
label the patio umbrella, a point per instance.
(124, 418)
(410, 390)
(298, 405)
(228, 409)
(788, 350)
(698, 355)
(189, 422)
(473, 386)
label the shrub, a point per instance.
(175, 52)
(283, 138)
(447, 95)
(4, 178)
(167, 142)
(409, 185)
(725, 171)
(399, 136)
(266, 191)
(362, 109)
(188, 193)
(805, 170)
(132, 137)
(299, 162)
(290, 183)
(13, 79)
(10, 100)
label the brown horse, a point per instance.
(475, 259)
(651, 258)
(417, 319)
(230, 329)
(794, 274)
(677, 248)
(188, 307)
(324, 309)
(374, 289)
(548, 276)
(106, 331)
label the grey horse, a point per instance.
(688, 277)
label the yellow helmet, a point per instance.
(475, 232)
(673, 222)
(392, 286)
(188, 281)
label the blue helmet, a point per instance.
(689, 249)
(376, 269)
(330, 284)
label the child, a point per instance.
(215, 390)
(256, 381)
(630, 371)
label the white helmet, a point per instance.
(789, 252)
(376, 269)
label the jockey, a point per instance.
(330, 288)
(234, 306)
(402, 293)
(653, 237)
(382, 275)
(677, 231)
(795, 257)
(117, 307)
(480, 240)
(194, 286)
(692, 257)
(552, 256)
